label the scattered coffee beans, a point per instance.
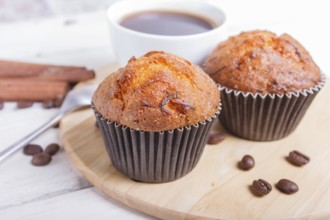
(41, 159)
(246, 163)
(261, 187)
(215, 138)
(24, 104)
(297, 158)
(287, 186)
(32, 149)
(52, 149)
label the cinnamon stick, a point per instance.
(32, 90)
(10, 69)
(73, 76)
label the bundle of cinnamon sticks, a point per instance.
(26, 83)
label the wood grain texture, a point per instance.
(77, 204)
(216, 188)
(22, 183)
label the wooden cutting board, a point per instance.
(216, 188)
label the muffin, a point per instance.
(155, 115)
(267, 83)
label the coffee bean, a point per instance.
(261, 187)
(32, 149)
(41, 159)
(287, 186)
(297, 158)
(47, 104)
(52, 149)
(57, 102)
(215, 138)
(246, 163)
(57, 125)
(24, 104)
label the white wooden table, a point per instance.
(58, 190)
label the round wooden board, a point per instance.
(216, 188)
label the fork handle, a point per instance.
(27, 139)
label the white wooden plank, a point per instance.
(82, 204)
(33, 38)
(92, 58)
(20, 182)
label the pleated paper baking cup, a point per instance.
(154, 156)
(264, 117)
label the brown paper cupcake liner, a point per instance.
(264, 117)
(154, 156)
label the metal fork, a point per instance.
(74, 100)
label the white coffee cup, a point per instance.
(127, 43)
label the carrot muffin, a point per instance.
(155, 115)
(268, 82)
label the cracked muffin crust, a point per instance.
(157, 92)
(261, 62)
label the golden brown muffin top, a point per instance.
(261, 62)
(157, 92)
